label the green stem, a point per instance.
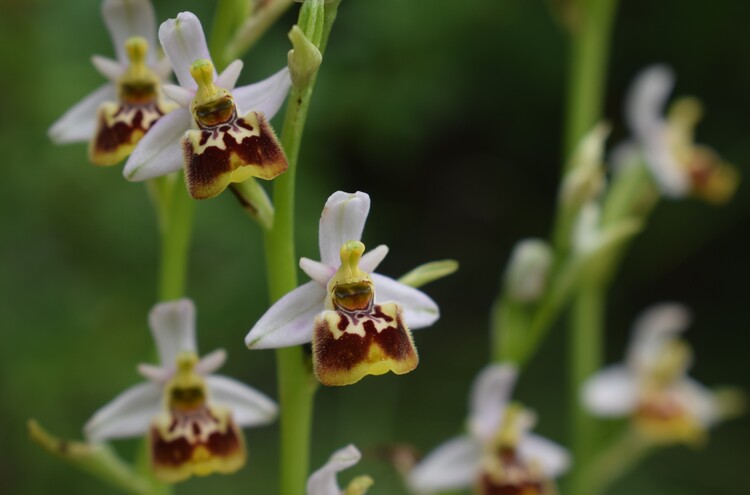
(177, 210)
(611, 464)
(589, 49)
(295, 380)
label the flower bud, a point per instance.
(304, 59)
(526, 275)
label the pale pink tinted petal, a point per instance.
(611, 392)
(184, 43)
(211, 362)
(701, 401)
(451, 466)
(173, 326)
(317, 271)
(489, 395)
(372, 258)
(419, 310)
(160, 151)
(655, 327)
(323, 481)
(249, 407)
(553, 458)
(265, 96)
(111, 69)
(342, 220)
(228, 78)
(290, 321)
(178, 94)
(79, 122)
(155, 373)
(128, 415)
(128, 18)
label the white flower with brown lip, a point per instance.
(652, 386)
(117, 115)
(358, 320)
(192, 416)
(498, 455)
(221, 134)
(680, 166)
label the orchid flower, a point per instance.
(192, 416)
(498, 455)
(679, 165)
(323, 481)
(652, 386)
(357, 320)
(221, 134)
(117, 115)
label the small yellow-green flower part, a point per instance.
(359, 485)
(350, 288)
(212, 105)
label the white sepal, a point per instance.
(342, 220)
(265, 96)
(128, 415)
(79, 122)
(184, 43)
(489, 396)
(612, 392)
(249, 407)
(551, 457)
(126, 19)
(160, 151)
(173, 326)
(419, 309)
(323, 481)
(451, 466)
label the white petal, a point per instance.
(419, 310)
(184, 43)
(372, 258)
(111, 69)
(160, 151)
(249, 407)
(79, 122)
(323, 481)
(342, 220)
(265, 96)
(655, 327)
(320, 272)
(644, 111)
(451, 466)
(178, 94)
(553, 458)
(211, 362)
(290, 320)
(701, 401)
(228, 78)
(128, 415)
(156, 374)
(173, 326)
(489, 395)
(611, 392)
(128, 18)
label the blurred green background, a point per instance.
(449, 114)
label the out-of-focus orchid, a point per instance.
(192, 417)
(323, 481)
(652, 386)
(679, 165)
(117, 115)
(498, 455)
(358, 320)
(221, 134)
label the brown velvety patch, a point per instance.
(119, 129)
(517, 479)
(208, 171)
(348, 358)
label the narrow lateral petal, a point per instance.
(228, 78)
(451, 466)
(160, 151)
(79, 122)
(342, 220)
(320, 272)
(290, 320)
(372, 258)
(211, 362)
(611, 392)
(323, 481)
(184, 43)
(701, 401)
(178, 94)
(653, 329)
(128, 415)
(111, 69)
(173, 326)
(553, 458)
(128, 18)
(265, 96)
(489, 395)
(419, 310)
(249, 407)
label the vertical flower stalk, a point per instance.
(296, 382)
